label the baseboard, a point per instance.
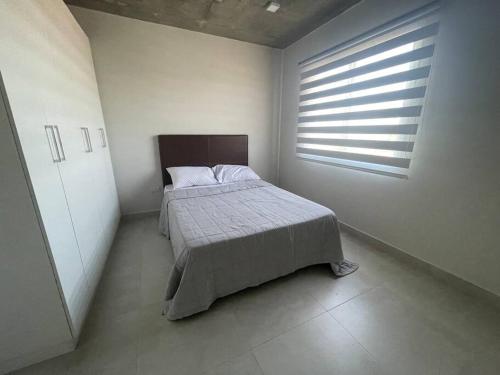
(445, 276)
(35, 357)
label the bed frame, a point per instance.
(201, 150)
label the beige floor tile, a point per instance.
(152, 292)
(116, 358)
(320, 346)
(473, 320)
(191, 345)
(271, 309)
(483, 362)
(244, 365)
(104, 328)
(54, 366)
(330, 291)
(401, 340)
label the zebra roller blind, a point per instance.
(361, 102)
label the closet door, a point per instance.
(68, 110)
(89, 95)
(110, 205)
(103, 189)
(100, 201)
(25, 62)
(99, 192)
(107, 195)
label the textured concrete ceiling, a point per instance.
(245, 20)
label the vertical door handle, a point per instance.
(59, 145)
(51, 137)
(103, 137)
(86, 140)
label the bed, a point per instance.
(229, 237)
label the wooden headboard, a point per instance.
(201, 150)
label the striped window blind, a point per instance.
(361, 102)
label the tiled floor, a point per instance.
(387, 318)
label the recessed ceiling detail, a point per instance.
(246, 20)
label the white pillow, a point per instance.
(225, 173)
(191, 176)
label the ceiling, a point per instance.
(245, 20)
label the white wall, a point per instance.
(448, 211)
(155, 79)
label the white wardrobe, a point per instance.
(57, 126)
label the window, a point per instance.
(360, 103)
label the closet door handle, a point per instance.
(103, 137)
(59, 145)
(51, 138)
(86, 139)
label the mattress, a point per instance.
(226, 238)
